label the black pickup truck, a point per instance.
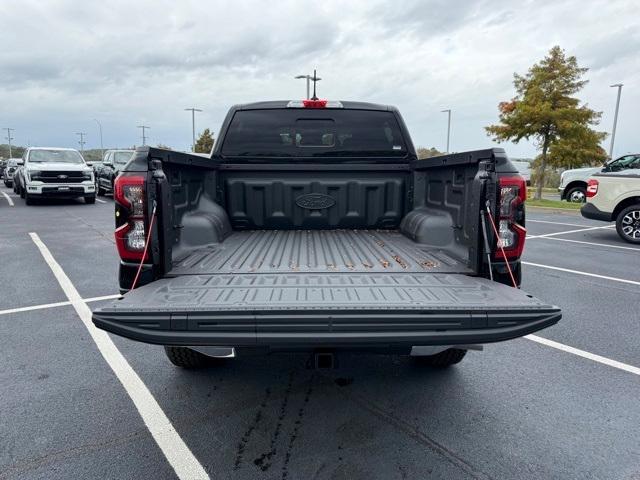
(314, 227)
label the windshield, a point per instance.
(314, 133)
(55, 156)
(122, 157)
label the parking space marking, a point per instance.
(558, 223)
(99, 200)
(577, 272)
(569, 231)
(56, 304)
(8, 199)
(581, 353)
(177, 453)
(589, 243)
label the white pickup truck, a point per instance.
(615, 196)
(573, 183)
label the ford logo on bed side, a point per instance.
(315, 201)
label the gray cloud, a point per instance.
(67, 62)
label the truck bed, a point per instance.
(323, 287)
(318, 251)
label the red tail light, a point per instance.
(592, 187)
(130, 198)
(513, 193)
(314, 103)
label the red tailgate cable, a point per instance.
(146, 247)
(495, 231)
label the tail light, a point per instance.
(513, 193)
(314, 103)
(130, 198)
(592, 187)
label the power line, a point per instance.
(193, 111)
(144, 131)
(81, 142)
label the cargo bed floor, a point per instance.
(321, 251)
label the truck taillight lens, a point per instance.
(513, 193)
(130, 234)
(592, 187)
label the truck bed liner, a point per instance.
(338, 251)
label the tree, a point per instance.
(204, 144)
(545, 110)
(427, 152)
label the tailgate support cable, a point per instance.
(146, 247)
(485, 237)
(495, 231)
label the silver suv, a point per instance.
(573, 183)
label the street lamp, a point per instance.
(193, 125)
(81, 141)
(308, 78)
(615, 117)
(9, 138)
(101, 146)
(448, 111)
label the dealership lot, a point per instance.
(520, 409)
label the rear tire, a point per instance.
(577, 195)
(184, 357)
(628, 224)
(101, 191)
(444, 359)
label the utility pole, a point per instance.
(193, 111)
(9, 138)
(448, 111)
(81, 142)
(308, 78)
(101, 146)
(144, 129)
(615, 118)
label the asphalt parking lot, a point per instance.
(528, 408)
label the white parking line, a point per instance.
(589, 243)
(173, 447)
(8, 199)
(558, 223)
(56, 304)
(577, 272)
(570, 231)
(101, 201)
(583, 354)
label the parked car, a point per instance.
(313, 226)
(615, 197)
(10, 169)
(114, 161)
(18, 179)
(56, 172)
(573, 183)
(524, 168)
(3, 164)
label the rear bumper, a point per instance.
(590, 211)
(338, 330)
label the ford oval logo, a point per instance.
(315, 201)
(62, 177)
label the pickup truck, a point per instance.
(615, 197)
(107, 172)
(51, 172)
(313, 226)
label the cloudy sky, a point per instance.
(65, 63)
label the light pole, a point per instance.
(615, 118)
(308, 78)
(81, 142)
(101, 146)
(144, 129)
(448, 111)
(193, 111)
(9, 138)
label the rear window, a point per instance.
(314, 133)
